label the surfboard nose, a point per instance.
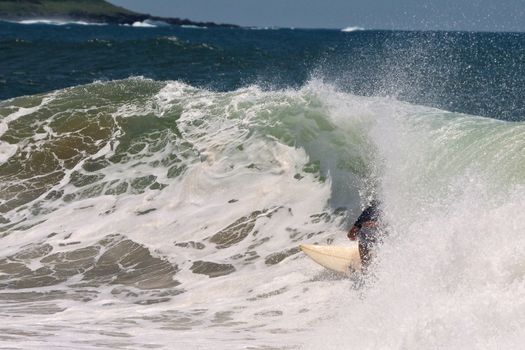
(341, 259)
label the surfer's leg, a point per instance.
(364, 253)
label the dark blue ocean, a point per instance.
(475, 73)
(156, 184)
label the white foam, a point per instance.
(144, 24)
(59, 22)
(191, 26)
(7, 150)
(352, 29)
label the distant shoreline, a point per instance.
(87, 11)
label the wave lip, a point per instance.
(352, 29)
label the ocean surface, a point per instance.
(155, 183)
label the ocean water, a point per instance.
(156, 183)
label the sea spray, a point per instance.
(450, 273)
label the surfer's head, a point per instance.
(374, 203)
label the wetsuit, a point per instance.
(368, 234)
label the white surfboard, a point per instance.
(335, 258)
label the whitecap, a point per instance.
(352, 29)
(58, 22)
(144, 24)
(192, 26)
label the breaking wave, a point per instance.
(179, 209)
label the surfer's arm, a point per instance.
(352, 234)
(370, 224)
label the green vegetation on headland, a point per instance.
(94, 11)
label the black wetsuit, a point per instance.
(368, 236)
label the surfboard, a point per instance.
(336, 258)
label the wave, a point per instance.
(264, 28)
(56, 22)
(127, 194)
(190, 26)
(352, 29)
(143, 24)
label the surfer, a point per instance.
(366, 231)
